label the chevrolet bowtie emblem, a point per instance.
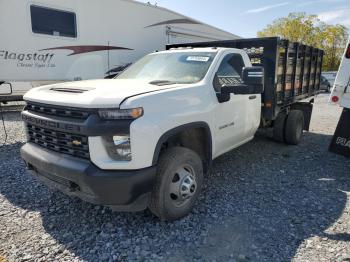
(76, 142)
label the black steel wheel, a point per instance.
(279, 127)
(178, 183)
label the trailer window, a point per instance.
(55, 22)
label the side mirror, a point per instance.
(253, 82)
(253, 75)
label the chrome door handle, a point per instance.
(252, 97)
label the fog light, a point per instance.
(122, 144)
(124, 152)
(119, 147)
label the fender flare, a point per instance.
(178, 129)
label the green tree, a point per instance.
(309, 30)
(333, 39)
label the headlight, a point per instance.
(113, 114)
(119, 147)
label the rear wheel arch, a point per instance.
(195, 136)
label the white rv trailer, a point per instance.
(85, 39)
(341, 96)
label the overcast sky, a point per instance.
(246, 17)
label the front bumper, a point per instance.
(121, 190)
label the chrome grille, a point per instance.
(70, 112)
(65, 143)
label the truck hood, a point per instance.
(92, 93)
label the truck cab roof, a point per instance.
(202, 49)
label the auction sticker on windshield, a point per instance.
(198, 58)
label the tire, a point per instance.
(294, 127)
(279, 127)
(328, 89)
(180, 171)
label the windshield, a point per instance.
(171, 68)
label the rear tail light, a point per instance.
(347, 53)
(335, 99)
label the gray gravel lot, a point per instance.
(262, 202)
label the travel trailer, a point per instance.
(84, 39)
(341, 96)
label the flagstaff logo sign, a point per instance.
(44, 58)
(30, 60)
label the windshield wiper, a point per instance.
(163, 82)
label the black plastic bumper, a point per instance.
(121, 190)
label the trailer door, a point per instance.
(341, 89)
(344, 78)
(341, 93)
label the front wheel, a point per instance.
(178, 183)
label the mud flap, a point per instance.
(341, 139)
(307, 108)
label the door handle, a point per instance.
(252, 97)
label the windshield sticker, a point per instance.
(198, 58)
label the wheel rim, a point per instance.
(183, 186)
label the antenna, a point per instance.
(108, 59)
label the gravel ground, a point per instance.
(263, 202)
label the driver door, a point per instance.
(230, 116)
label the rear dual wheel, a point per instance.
(289, 128)
(279, 127)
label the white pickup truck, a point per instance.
(146, 138)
